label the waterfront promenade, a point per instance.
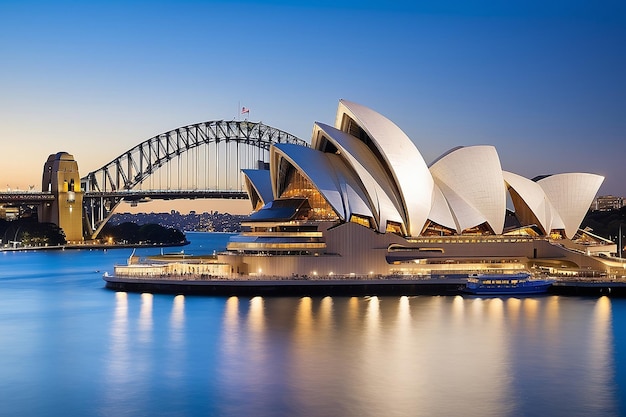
(345, 286)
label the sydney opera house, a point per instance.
(361, 201)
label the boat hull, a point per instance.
(529, 289)
(513, 284)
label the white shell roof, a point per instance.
(534, 197)
(260, 181)
(571, 194)
(464, 214)
(401, 159)
(387, 179)
(327, 172)
(354, 196)
(373, 177)
(440, 212)
(471, 181)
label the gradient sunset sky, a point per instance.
(543, 81)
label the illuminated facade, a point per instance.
(361, 201)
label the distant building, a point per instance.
(607, 203)
(9, 213)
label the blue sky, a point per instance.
(544, 82)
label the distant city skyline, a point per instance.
(544, 82)
(187, 206)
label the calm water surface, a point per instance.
(68, 346)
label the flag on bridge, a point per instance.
(245, 110)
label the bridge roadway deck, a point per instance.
(133, 195)
(25, 197)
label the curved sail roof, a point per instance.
(400, 158)
(354, 196)
(571, 194)
(334, 181)
(531, 198)
(440, 212)
(360, 158)
(259, 186)
(367, 166)
(471, 181)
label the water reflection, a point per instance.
(119, 336)
(531, 309)
(372, 317)
(353, 311)
(304, 322)
(118, 359)
(418, 356)
(177, 320)
(231, 318)
(107, 353)
(256, 317)
(326, 321)
(458, 310)
(256, 326)
(231, 369)
(600, 355)
(145, 318)
(513, 310)
(230, 334)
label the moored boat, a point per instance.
(506, 284)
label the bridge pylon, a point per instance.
(62, 179)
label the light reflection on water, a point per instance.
(68, 347)
(387, 358)
(145, 318)
(600, 353)
(177, 321)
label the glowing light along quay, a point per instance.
(361, 208)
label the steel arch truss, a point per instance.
(137, 164)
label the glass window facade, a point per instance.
(362, 220)
(298, 185)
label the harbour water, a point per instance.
(68, 346)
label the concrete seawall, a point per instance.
(342, 287)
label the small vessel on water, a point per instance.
(506, 284)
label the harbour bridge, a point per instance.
(201, 160)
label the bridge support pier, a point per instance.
(61, 178)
